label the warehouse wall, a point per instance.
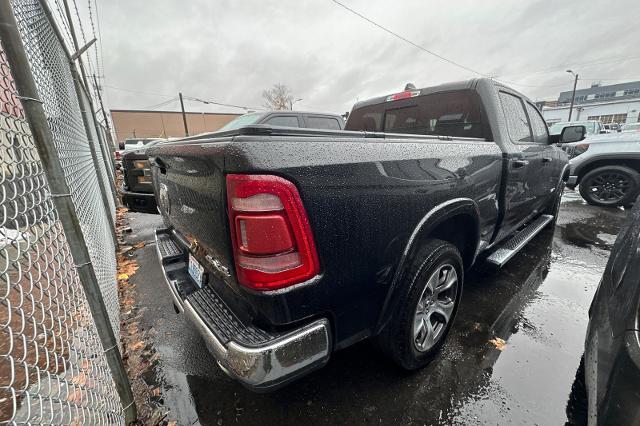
(583, 111)
(143, 124)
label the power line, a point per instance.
(610, 79)
(160, 105)
(163, 95)
(513, 83)
(192, 98)
(220, 103)
(406, 40)
(437, 55)
(573, 65)
(452, 62)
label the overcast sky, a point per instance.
(231, 50)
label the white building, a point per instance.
(617, 103)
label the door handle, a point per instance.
(546, 159)
(517, 164)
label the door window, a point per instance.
(538, 126)
(516, 118)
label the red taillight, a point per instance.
(270, 232)
(403, 95)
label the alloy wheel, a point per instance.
(610, 187)
(435, 307)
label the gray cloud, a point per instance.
(230, 51)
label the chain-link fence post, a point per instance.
(85, 108)
(107, 156)
(104, 189)
(61, 195)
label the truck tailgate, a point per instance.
(191, 196)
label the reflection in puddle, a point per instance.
(599, 231)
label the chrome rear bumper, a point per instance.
(261, 367)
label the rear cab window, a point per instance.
(457, 113)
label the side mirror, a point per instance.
(573, 134)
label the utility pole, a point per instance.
(573, 94)
(184, 116)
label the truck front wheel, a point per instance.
(420, 326)
(554, 207)
(610, 186)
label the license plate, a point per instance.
(196, 271)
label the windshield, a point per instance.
(556, 128)
(243, 120)
(136, 143)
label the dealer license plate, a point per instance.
(196, 271)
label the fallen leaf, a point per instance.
(138, 245)
(156, 392)
(137, 346)
(123, 276)
(172, 423)
(498, 343)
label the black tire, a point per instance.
(577, 407)
(610, 186)
(554, 207)
(398, 339)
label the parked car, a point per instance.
(593, 127)
(612, 346)
(606, 168)
(312, 120)
(285, 245)
(136, 191)
(631, 127)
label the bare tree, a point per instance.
(279, 97)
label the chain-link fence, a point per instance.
(55, 366)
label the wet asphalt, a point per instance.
(538, 304)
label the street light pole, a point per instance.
(573, 94)
(291, 102)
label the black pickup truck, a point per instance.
(285, 245)
(136, 191)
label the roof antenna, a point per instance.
(409, 86)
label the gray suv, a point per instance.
(606, 168)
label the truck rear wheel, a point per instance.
(610, 186)
(420, 325)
